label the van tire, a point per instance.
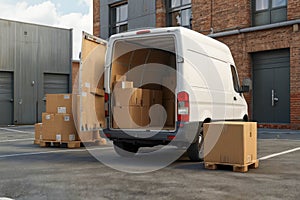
(125, 149)
(195, 151)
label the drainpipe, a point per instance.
(256, 28)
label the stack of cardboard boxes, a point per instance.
(169, 103)
(57, 123)
(131, 105)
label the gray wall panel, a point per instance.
(30, 50)
(6, 97)
(7, 45)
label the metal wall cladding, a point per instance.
(6, 97)
(30, 51)
(141, 14)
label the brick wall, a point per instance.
(220, 15)
(244, 44)
(160, 13)
(293, 9)
(96, 18)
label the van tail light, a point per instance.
(143, 32)
(183, 110)
(106, 98)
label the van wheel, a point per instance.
(195, 151)
(125, 149)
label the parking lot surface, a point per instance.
(30, 172)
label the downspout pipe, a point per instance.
(256, 28)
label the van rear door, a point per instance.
(91, 94)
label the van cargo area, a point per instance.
(143, 83)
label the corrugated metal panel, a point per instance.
(7, 45)
(56, 84)
(6, 98)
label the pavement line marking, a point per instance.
(16, 140)
(279, 154)
(49, 152)
(13, 130)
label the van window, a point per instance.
(235, 79)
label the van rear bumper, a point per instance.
(182, 135)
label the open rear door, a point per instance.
(90, 98)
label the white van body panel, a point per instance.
(203, 70)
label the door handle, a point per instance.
(274, 98)
(234, 98)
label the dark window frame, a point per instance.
(114, 25)
(235, 79)
(182, 7)
(268, 11)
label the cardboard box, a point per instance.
(123, 84)
(97, 91)
(120, 78)
(127, 117)
(146, 97)
(156, 97)
(168, 94)
(38, 131)
(169, 105)
(59, 103)
(127, 97)
(58, 127)
(230, 142)
(145, 118)
(157, 116)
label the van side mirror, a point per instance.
(245, 89)
(247, 85)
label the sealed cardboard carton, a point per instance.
(145, 119)
(123, 84)
(59, 103)
(146, 97)
(230, 142)
(58, 127)
(120, 78)
(156, 97)
(127, 97)
(169, 105)
(127, 117)
(38, 131)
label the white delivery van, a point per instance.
(160, 85)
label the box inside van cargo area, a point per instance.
(142, 83)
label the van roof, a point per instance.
(189, 38)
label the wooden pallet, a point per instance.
(235, 167)
(96, 142)
(68, 144)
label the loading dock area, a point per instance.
(30, 172)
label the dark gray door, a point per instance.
(271, 86)
(6, 98)
(53, 84)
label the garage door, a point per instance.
(56, 83)
(6, 98)
(271, 86)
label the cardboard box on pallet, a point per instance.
(230, 142)
(169, 105)
(59, 103)
(146, 97)
(38, 131)
(58, 127)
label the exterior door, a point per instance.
(271, 86)
(6, 98)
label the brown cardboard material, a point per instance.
(127, 117)
(230, 142)
(168, 94)
(120, 78)
(97, 91)
(59, 103)
(145, 119)
(127, 97)
(169, 105)
(123, 84)
(156, 97)
(146, 97)
(58, 127)
(38, 131)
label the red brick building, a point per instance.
(263, 35)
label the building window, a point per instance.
(269, 11)
(118, 18)
(179, 13)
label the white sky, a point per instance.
(75, 14)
